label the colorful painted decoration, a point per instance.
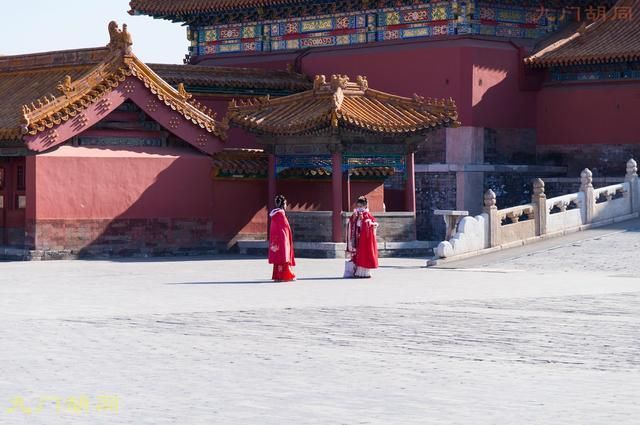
(434, 19)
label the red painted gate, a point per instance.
(13, 201)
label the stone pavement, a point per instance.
(212, 342)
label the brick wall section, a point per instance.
(602, 160)
(123, 237)
(562, 186)
(433, 191)
(434, 149)
(513, 189)
(310, 226)
(396, 227)
(316, 226)
(510, 145)
(393, 226)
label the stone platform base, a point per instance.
(336, 250)
(20, 254)
(14, 254)
(243, 247)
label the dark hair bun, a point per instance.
(280, 200)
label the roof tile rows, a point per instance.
(34, 97)
(219, 76)
(44, 90)
(341, 103)
(615, 38)
(180, 7)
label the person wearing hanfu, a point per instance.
(361, 241)
(281, 253)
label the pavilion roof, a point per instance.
(340, 103)
(616, 38)
(43, 90)
(245, 162)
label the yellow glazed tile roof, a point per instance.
(615, 38)
(345, 104)
(43, 90)
(179, 7)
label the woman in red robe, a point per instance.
(281, 243)
(361, 240)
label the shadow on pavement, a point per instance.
(230, 282)
(172, 259)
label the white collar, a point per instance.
(275, 211)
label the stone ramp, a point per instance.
(614, 248)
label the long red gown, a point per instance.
(281, 253)
(362, 243)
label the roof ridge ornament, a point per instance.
(119, 40)
(339, 81)
(183, 92)
(362, 82)
(66, 86)
(319, 81)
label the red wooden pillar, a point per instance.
(410, 187)
(271, 189)
(336, 188)
(348, 190)
(271, 182)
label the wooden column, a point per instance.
(336, 188)
(410, 187)
(271, 182)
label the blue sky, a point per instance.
(30, 26)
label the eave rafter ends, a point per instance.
(75, 96)
(338, 102)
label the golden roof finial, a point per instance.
(65, 86)
(339, 81)
(119, 39)
(417, 98)
(319, 81)
(25, 121)
(362, 82)
(183, 92)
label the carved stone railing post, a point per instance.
(632, 178)
(540, 212)
(586, 187)
(492, 211)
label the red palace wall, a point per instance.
(431, 68)
(240, 209)
(589, 125)
(121, 201)
(584, 114)
(372, 189)
(305, 195)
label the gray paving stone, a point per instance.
(213, 341)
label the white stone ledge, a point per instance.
(439, 261)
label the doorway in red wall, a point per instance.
(13, 201)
